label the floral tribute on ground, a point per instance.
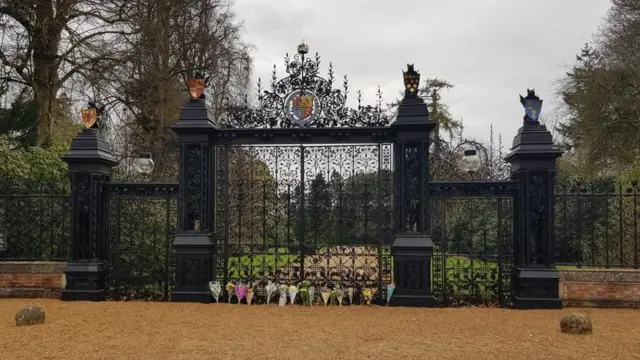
(304, 293)
(216, 290)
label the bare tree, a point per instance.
(173, 39)
(47, 42)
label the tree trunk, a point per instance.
(46, 100)
(46, 41)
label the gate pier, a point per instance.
(412, 247)
(194, 244)
(533, 166)
(90, 161)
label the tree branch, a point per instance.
(91, 14)
(83, 66)
(17, 16)
(18, 81)
(83, 40)
(18, 68)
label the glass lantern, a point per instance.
(144, 164)
(470, 162)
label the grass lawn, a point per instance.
(460, 270)
(365, 256)
(280, 258)
(144, 330)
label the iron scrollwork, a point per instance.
(191, 271)
(85, 200)
(141, 220)
(315, 213)
(539, 207)
(140, 189)
(413, 162)
(469, 189)
(196, 192)
(473, 240)
(81, 202)
(535, 221)
(444, 158)
(413, 274)
(305, 98)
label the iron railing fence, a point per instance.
(596, 224)
(35, 219)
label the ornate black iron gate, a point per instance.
(473, 227)
(304, 212)
(301, 188)
(140, 226)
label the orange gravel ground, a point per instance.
(138, 330)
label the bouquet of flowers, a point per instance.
(390, 289)
(339, 295)
(350, 295)
(216, 289)
(304, 294)
(241, 292)
(368, 294)
(312, 294)
(250, 294)
(307, 292)
(326, 295)
(282, 289)
(230, 288)
(293, 290)
(271, 289)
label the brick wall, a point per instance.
(32, 279)
(600, 288)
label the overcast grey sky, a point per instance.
(492, 50)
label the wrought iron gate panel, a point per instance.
(473, 236)
(141, 220)
(289, 213)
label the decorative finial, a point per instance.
(532, 105)
(303, 48)
(91, 115)
(411, 80)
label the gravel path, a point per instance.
(137, 330)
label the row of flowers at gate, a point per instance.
(305, 291)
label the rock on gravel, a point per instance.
(576, 323)
(30, 315)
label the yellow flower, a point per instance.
(249, 290)
(368, 293)
(230, 286)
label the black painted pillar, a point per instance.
(90, 161)
(412, 247)
(533, 166)
(194, 245)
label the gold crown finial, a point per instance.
(303, 48)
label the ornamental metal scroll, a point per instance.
(473, 189)
(140, 190)
(304, 98)
(444, 160)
